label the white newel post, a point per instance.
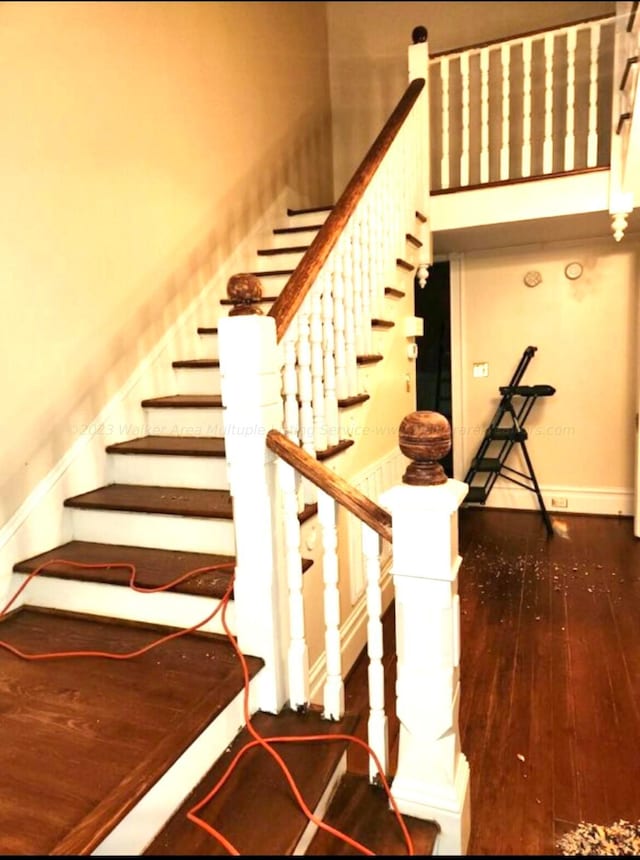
(432, 776)
(251, 395)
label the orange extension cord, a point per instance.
(258, 739)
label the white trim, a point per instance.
(614, 501)
(321, 809)
(456, 271)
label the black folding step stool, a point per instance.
(489, 462)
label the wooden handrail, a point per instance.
(342, 491)
(514, 40)
(290, 299)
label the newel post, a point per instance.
(432, 777)
(252, 405)
(418, 63)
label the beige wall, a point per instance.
(369, 43)
(586, 333)
(140, 141)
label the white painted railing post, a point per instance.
(432, 776)
(251, 395)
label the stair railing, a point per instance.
(431, 779)
(524, 107)
(625, 113)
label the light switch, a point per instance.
(480, 369)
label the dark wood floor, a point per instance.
(550, 677)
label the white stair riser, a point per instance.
(271, 284)
(208, 346)
(166, 609)
(161, 421)
(280, 261)
(197, 380)
(162, 531)
(304, 219)
(286, 240)
(206, 473)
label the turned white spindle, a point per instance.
(317, 367)
(290, 384)
(329, 365)
(526, 108)
(342, 382)
(547, 145)
(484, 115)
(298, 652)
(357, 281)
(569, 137)
(334, 684)
(305, 384)
(592, 134)
(345, 245)
(378, 737)
(444, 159)
(505, 54)
(368, 274)
(464, 152)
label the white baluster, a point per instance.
(317, 367)
(505, 55)
(547, 146)
(464, 153)
(334, 684)
(305, 385)
(484, 115)
(329, 365)
(290, 384)
(342, 382)
(345, 245)
(444, 160)
(569, 137)
(526, 108)
(368, 273)
(298, 652)
(377, 726)
(592, 138)
(356, 279)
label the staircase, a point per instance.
(107, 755)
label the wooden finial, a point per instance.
(245, 291)
(419, 34)
(425, 438)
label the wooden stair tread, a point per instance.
(180, 501)
(369, 359)
(309, 211)
(347, 402)
(185, 401)
(378, 323)
(392, 291)
(279, 231)
(154, 568)
(405, 264)
(361, 810)
(187, 446)
(272, 252)
(114, 725)
(207, 329)
(333, 450)
(196, 362)
(255, 809)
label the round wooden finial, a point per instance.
(419, 34)
(244, 290)
(425, 438)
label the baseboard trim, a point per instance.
(607, 501)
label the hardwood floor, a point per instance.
(550, 676)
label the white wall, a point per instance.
(582, 439)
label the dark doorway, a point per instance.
(433, 364)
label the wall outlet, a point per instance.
(480, 369)
(559, 502)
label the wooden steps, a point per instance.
(255, 810)
(177, 501)
(185, 446)
(83, 739)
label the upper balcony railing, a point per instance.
(534, 105)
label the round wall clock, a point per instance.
(573, 270)
(532, 279)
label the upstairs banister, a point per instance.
(292, 296)
(340, 490)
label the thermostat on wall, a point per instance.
(573, 270)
